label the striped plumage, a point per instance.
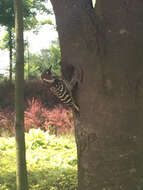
(60, 89)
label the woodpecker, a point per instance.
(59, 88)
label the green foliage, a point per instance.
(30, 8)
(46, 58)
(51, 162)
(7, 13)
(7, 40)
(2, 77)
(48, 21)
(54, 57)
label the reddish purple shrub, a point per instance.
(6, 121)
(57, 120)
(37, 90)
(34, 117)
(42, 109)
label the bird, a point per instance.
(60, 89)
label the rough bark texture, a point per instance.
(10, 53)
(21, 172)
(107, 44)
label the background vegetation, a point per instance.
(50, 145)
(51, 162)
(42, 109)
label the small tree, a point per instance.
(21, 173)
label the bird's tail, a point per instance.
(75, 108)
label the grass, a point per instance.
(51, 162)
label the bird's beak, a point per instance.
(49, 81)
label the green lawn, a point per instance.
(51, 162)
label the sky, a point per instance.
(36, 42)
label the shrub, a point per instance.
(6, 122)
(57, 120)
(6, 95)
(42, 109)
(32, 89)
(37, 90)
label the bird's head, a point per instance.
(47, 76)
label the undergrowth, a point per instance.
(51, 162)
(57, 120)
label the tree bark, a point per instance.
(10, 53)
(21, 172)
(106, 43)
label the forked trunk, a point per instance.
(107, 44)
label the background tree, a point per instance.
(106, 43)
(21, 173)
(8, 43)
(7, 19)
(30, 10)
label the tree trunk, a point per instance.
(21, 173)
(106, 43)
(10, 53)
